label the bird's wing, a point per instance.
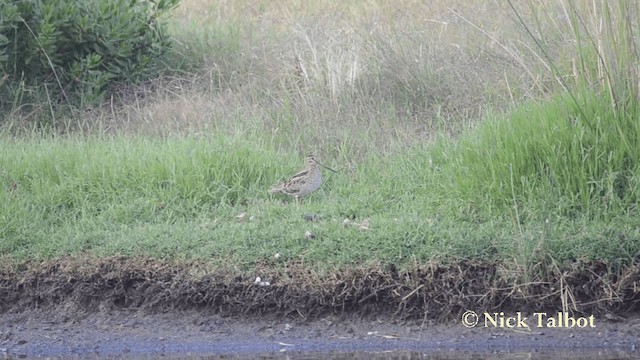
(299, 175)
(293, 185)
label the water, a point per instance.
(362, 355)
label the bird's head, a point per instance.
(312, 162)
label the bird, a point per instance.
(304, 182)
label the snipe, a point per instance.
(304, 182)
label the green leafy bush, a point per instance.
(73, 50)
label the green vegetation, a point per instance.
(70, 52)
(182, 171)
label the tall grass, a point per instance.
(581, 145)
(545, 149)
(573, 155)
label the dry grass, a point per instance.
(391, 74)
(325, 73)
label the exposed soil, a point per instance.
(431, 291)
(119, 306)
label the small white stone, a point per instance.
(364, 225)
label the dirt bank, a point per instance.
(430, 292)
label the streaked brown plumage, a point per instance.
(304, 182)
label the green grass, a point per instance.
(179, 197)
(409, 113)
(549, 149)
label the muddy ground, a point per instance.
(133, 333)
(125, 306)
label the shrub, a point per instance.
(74, 50)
